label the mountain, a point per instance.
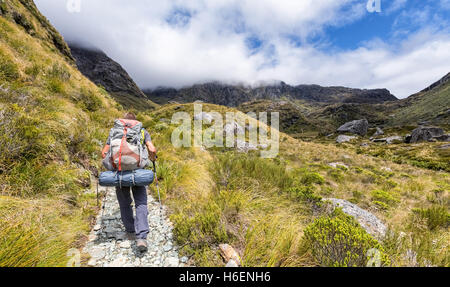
(431, 105)
(273, 211)
(104, 71)
(234, 95)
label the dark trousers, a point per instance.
(138, 224)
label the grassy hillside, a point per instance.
(52, 123)
(431, 105)
(266, 207)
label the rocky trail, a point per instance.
(110, 246)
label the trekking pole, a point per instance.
(157, 188)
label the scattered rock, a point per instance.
(118, 262)
(232, 263)
(355, 127)
(390, 140)
(234, 129)
(112, 246)
(378, 132)
(243, 146)
(228, 253)
(97, 253)
(424, 134)
(336, 164)
(171, 262)
(184, 259)
(92, 262)
(446, 146)
(125, 244)
(344, 138)
(443, 138)
(205, 117)
(367, 220)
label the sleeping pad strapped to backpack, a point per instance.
(139, 177)
(126, 157)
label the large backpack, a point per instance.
(127, 150)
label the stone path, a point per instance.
(109, 245)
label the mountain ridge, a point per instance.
(234, 95)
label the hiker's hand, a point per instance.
(105, 150)
(152, 156)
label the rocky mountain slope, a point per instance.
(104, 71)
(234, 95)
(431, 106)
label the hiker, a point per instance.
(135, 227)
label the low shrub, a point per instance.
(309, 178)
(384, 196)
(339, 241)
(305, 193)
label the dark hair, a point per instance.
(129, 116)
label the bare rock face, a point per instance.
(355, 127)
(424, 134)
(367, 220)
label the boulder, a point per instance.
(355, 127)
(344, 138)
(424, 134)
(228, 253)
(367, 220)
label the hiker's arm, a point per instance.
(151, 149)
(105, 150)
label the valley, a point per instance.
(316, 196)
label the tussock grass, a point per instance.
(262, 206)
(52, 125)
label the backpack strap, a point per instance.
(142, 136)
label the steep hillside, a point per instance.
(52, 123)
(234, 95)
(431, 105)
(104, 71)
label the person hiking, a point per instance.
(136, 227)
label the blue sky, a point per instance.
(176, 43)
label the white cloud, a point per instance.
(396, 5)
(206, 40)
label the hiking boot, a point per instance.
(141, 245)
